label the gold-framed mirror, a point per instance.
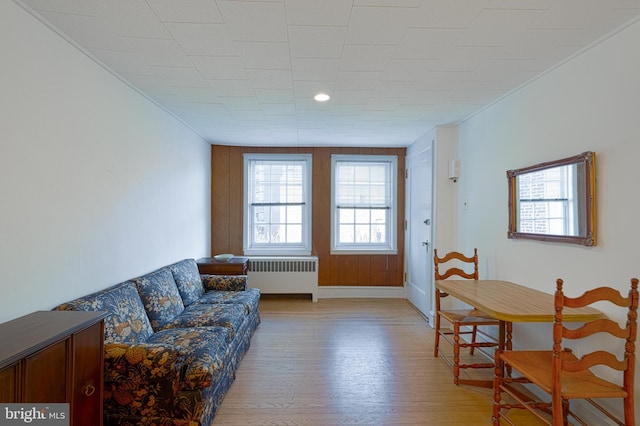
(554, 201)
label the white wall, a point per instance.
(590, 103)
(97, 184)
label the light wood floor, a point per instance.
(347, 362)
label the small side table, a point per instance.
(235, 266)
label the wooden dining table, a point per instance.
(507, 301)
(510, 302)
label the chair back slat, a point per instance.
(597, 326)
(596, 295)
(595, 358)
(456, 272)
(458, 256)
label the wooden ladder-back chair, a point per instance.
(463, 322)
(565, 376)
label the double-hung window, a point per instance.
(277, 216)
(363, 203)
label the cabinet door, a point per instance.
(45, 374)
(87, 376)
(9, 389)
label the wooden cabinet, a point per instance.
(235, 266)
(55, 357)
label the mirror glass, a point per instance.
(554, 201)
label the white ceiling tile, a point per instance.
(254, 21)
(389, 3)
(311, 69)
(132, 18)
(202, 39)
(242, 103)
(322, 13)
(316, 41)
(507, 20)
(407, 70)
(159, 52)
(264, 55)
(378, 25)
(278, 109)
(351, 97)
(271, 79)
(186, 10)
(307, 89)
(520, 4)
(358, 80)
(180, 76)
(219, 67)
(426, 43)
(450, 14)
(228, 87)
(360, 57)
(273, 96)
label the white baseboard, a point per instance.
(338, 292)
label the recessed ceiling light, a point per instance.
(322, 97)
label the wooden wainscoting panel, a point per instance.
(220, 206)
(334, 270)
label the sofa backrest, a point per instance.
(160, 297)
(187, 278)
(126, 322)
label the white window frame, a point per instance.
(251, 247)
(390, 247)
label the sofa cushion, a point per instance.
(205, 350)
(202, 315)
(127, 320)
(160, 297)
(224, 282)
(250, 298)
(188, 280)
(142, 376)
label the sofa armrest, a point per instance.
(224, 282)
(142, 378)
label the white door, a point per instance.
(418, 234)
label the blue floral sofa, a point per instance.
(173, 341)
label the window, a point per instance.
(277, 204)
(363, 202)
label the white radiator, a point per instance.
(285, 275)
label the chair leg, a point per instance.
(558, 410)
(629, 414)
(565, 412)
(497, 379)
(456, 353)
(437, 338)
(473, 339)
(508, 342)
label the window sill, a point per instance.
(339, 252)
